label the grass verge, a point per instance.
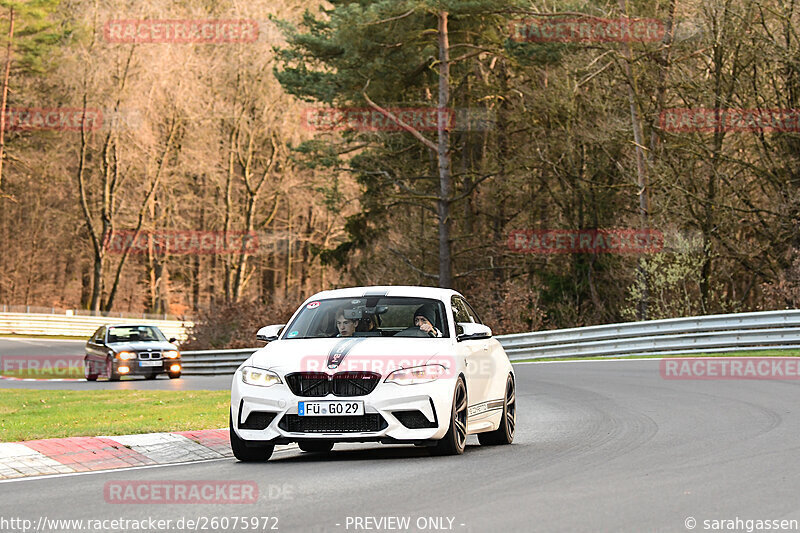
(754, 353)
(33, 414)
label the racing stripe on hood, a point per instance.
(341, 349)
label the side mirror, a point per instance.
(270, 333)
(470, 330)
(172, 340)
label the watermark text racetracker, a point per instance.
(189, 492)
(734, 120)
(182, 242)
(150, 524)
(53, 119)
(587, 30)
(595, 241)
(71, 119)
(181, 31)
(729, 368)
(417, 368)
(327, 119)
(35, 365)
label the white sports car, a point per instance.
(374, 364)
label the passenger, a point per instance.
(345, 326)
(367, 324)
(424, 318)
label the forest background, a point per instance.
(226, 136)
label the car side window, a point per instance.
(98, 335)
(459, 311)
(471, 312)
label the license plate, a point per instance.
(150, 363)
(330, 408)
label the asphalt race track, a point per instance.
(15, 347)
(32, 346)
(600, 446)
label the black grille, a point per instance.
(257, 420)
(354, 383)
(149, 355)
(309, 383)
(317, 384)
(413, 419)
(332, 424)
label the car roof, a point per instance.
(129, 325)
(387, 290)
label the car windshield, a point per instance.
(134, 334)
(371, 316)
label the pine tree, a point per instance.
(383, 55)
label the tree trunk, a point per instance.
(6, 76)
(664, 63)
(288, 271)
(86, 285)
(240, 274)
(504, 152)
(97, 245)
(641, 166)
(445, 178)
(226, 260)
(196, 257)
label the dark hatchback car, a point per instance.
(130, 350)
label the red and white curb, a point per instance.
(84, 454)
(9, 378)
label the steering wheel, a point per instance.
(412, 331)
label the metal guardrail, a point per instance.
(704, 334)
(79, 326)
(33, 309)
(213, 362)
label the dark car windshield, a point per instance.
(374, 316)
(135, 334)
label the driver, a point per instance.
(424, 317)
(345, 326)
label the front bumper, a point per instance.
(135, 369)
(433, 400)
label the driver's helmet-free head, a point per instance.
(426, 311)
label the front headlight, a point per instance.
(170, 354)
(416, 375)
(126, 355)
(258, 376)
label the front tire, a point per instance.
(505, 433)
(174, 375)
(455, 440)
(315, 446)
(247, 454)
(111, 374)
(87, 371)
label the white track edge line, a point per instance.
(594, 360)
(606, 360)
(143, 467)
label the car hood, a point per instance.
(374, 354)
(142, 346)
